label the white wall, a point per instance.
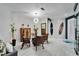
(4, 23)
(56, 29)
(7, 17)
(56, 24)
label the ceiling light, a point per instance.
(36, 13)
(36, 20)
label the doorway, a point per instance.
(71, 29)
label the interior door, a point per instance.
(71, 29)
(43, 28)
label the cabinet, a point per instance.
(25, 33)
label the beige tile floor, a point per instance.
(55, 47)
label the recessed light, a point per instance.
(36, 20)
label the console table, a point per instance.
(25, 35)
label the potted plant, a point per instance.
(35, 29)
(13, 33)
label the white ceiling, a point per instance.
(53, 9)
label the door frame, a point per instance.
(66, 25)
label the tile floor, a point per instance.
(55, 47)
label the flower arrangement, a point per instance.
(35, 29)
(13, 30)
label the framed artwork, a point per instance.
(61, 28)
(51, 28)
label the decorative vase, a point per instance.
(13, 42)
(13, 33)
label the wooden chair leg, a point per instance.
(36, 48)
(22, 45)
(29, 44)
(42, 46)
(47, 41)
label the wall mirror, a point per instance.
(61, 28)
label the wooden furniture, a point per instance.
(25, 35)
(25, 41)
(38, 41)
(43, 28)
(45, 37)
